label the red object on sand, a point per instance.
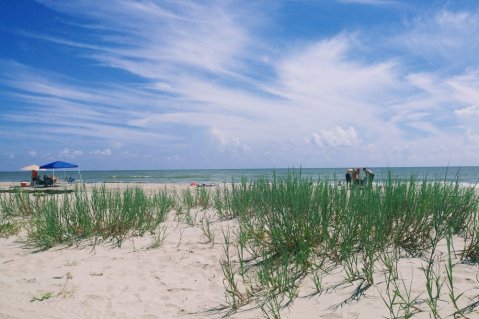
(194, 184)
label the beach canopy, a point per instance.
(58, 164)
(32, 167)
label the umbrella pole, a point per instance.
(81, 179)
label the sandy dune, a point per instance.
(182, 278)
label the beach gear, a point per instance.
(32, 167)
(59, 164)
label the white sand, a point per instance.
(182, 279)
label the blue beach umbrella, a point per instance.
(60, 165)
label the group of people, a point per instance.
(354, 176)
(44, 181)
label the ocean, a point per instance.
(465, 175)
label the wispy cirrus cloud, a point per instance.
(205, 36)
(443, 37)
(336, 137)
(472, 110)
(54, 105)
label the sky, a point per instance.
(150, 84)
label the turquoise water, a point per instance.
(468, 174)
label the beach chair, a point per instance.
(45, 181)
(69, 179)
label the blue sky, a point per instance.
(239, 84)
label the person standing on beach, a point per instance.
(355, 176)
(369, 175)
(349, 174)
(34, 177)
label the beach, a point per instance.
(177, 272)
(239, 159)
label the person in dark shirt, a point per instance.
(349, 175)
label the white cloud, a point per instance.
(161, 36)
(442, 37)
(32, 153)
(325, 69)
(231, 143)
(461, 21)
(104, 152)
(220, 137)
(68, 153)
(95, 112)
(425, 127)
(175, 157)
(466, 86)
(427, 83)
(472, 138)
(336, 137)
(468, 111)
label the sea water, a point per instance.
(464, 175)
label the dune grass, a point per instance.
(103, 214)
(288, 225)
(13, 207)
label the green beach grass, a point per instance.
(67, 218)
(290, 228)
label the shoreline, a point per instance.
(467, 174)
